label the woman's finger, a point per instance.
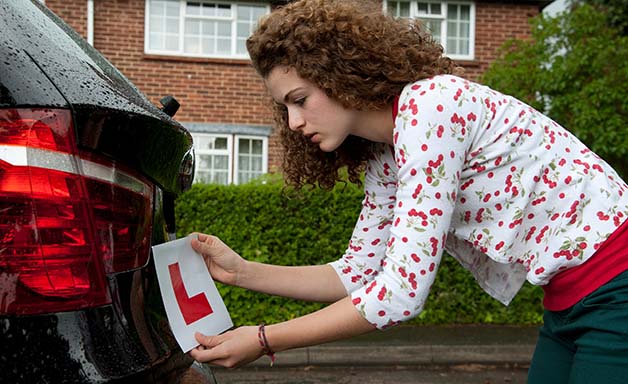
(204, 247)
(196, 244)
(207, 341)
(207, 355)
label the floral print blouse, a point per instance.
(501, 187)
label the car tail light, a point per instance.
(67, 218)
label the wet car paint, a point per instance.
(104, 103)
(45, 64)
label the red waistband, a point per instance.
(570, 286)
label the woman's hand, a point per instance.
(230, 350)
(222, 262)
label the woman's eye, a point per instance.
(300, 101)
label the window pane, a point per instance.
(163, 25)
(464, 47)
(452, 29)
(435, 9)
(203, 142)
(193, 9)
(156, 24)
(220, 143)
(223, 46)
(192, 44)
(399, 8)
(223, 10)
(155, 41)
(256, 164)
(244, 30)
(452, 46)
(204, 162)
(193, 27)
(452, 12)
(434, 26)
(221, 162)
(422, 8)
(243, 146)
(213, 169)
(202, 177)
(465, 12)
(243, 163)
(208, 28)
(241, 47)
(257, 147)
(258, 12)
(157, 8)
(404, 9)
(213, 158)
(464, 30)
(208, 10)
(223, 29)
(221, 178)
(172, 43)
(208, 46)
(172, 8)
(172, 25)
(244, 12)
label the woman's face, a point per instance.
(311, 112)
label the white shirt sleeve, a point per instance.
(364, 256)
(431, 138)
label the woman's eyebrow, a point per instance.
(289, 94)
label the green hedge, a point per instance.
(264, 223)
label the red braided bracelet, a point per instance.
(261, 335)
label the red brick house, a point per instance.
(194, 50)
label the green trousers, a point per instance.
(587, 343)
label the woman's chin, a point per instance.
(326, 147)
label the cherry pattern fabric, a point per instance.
(503, 188)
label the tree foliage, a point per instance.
(616, 12)
(575, 69)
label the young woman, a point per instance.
(449, 165)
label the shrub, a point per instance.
(264, 223)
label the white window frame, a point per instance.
(414, 13)
(181, 32)
(236, 157)
(231, 152)
(204, 151)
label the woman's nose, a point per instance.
(295, 120)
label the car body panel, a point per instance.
(43, 63)
(104, 102)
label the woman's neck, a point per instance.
(376, 126)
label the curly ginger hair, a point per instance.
(356, 55)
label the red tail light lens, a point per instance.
(66, 218)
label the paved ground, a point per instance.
(459, 374)
(481, 354)
(420, 346)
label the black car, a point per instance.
(89, 169)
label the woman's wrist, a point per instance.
(244, 274)
(264, 344)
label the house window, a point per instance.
(200, 28)
(451, 23)
(229, 158)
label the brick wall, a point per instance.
(229, 91)
(494, 24)
(72, 12)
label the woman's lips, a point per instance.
(313, 137)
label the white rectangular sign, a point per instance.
(190, 297)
